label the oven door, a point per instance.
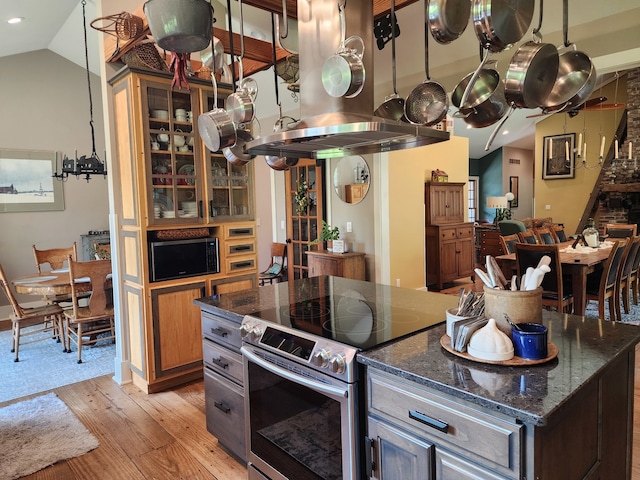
(301, 424)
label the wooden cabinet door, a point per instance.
(177, 329)
(448, 262)
(398, 454)
(466, 254)
(444, 203)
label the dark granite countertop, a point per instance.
(531, 394)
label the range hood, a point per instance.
(336, 127)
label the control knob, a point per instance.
(250, 332)
(321, 359)
(337, 364)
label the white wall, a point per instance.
(45, 106)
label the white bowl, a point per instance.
(489, 343)
(161, 114)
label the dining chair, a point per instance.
(508, 243)
(47, 318)
(83, 324)
(620, 230)
(558, 232)
(601, 284)
(55, 258)
(623, 282)
(509, 227)
(544, 236)
(528, 236)
(634, 277)
(277, 268)
(556, 291)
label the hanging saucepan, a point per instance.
(486, 103)
(182, 26)
(393, 106)
(240, 104)
(236, 153)
(213, 58)
(448, 19)
(343, 73)
(216, 128)
(576, 75)
(531, 75)
(275, 162)
(427, 104)
(501, 23)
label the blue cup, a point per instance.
(530, 341)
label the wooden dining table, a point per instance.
(56, 282)
(576, 263)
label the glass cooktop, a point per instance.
(350, 319)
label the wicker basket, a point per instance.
(123, 25)
(145, 55)
(182, 233)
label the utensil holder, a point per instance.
(522, 306)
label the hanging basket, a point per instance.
(123, 25)
(145, 55)
(289, 69)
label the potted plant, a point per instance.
(327, 235)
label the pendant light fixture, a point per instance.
(84, 165)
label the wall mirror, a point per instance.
(351, 179)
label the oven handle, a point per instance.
(317, 386)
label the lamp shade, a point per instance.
(497, 202)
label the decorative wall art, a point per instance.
(26, 182)
(558, 160)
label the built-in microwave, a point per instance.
(171, 259)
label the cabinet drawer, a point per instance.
(239, 231)
(240, 264)
(464, 232)
(223, 361)
(468, 431)
(239, 248)
(448, 233)
(224, 403)
(220, 330)
(453, 467)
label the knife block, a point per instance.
(522, 306)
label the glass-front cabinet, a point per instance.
(188, 183)
(228, 184)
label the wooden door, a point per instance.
(305, 207)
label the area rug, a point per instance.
(633, 317)
(43, 366)
(37, 433)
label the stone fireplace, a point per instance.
(619, 187)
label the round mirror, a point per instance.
(351, 179)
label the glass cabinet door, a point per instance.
(229, 186)
(173, 148)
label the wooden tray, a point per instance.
(445, 341)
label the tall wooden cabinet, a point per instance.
(168, 184)
(450, 250)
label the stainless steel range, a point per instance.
(304, 388)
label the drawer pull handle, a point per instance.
(243, 264)
(240, 231)
(220, 362)
(432, 422)
(240, 248)
(222, 406)
(219, 331)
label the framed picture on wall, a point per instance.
(558, 160)
(26, 182)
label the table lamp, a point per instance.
(500, 204)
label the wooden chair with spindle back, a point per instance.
(47, 318)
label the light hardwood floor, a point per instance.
(163, 435)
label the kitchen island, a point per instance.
(569, 418)
(446, 417)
